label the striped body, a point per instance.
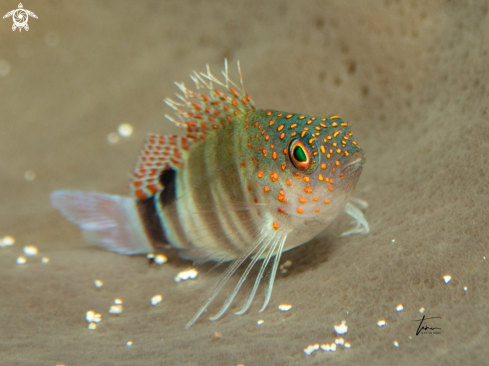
(243, 183)
(221, 202)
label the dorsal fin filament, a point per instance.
(215, 101)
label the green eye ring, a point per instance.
(300, 155)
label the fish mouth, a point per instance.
(355, 163)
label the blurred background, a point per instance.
(411, 79)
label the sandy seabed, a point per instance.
(409, 76)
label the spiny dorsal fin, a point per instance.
(158, 153)
(215, 103)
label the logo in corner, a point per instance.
(426, 329)
(20, 17)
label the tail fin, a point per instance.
(111, 222)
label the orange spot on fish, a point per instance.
(326, 202)
(300, 210)
(266, 189)
(275, 225)
(274, 176)
(302, 200)
(141, 194)
(260, 174)
(288, 182)
(308, 189)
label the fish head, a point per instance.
(317, 169)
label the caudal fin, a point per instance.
(109, 221)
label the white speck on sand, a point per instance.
(30, 250)
(156, 299)
(284, 307)
(125, 129)
(341, 328)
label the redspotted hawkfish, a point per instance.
(243, 183)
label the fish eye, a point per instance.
(299, 155)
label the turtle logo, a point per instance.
(20, 17)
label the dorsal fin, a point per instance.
(212, 105)
(159, 153)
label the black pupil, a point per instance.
(299, 154)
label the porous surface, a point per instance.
(411, 79)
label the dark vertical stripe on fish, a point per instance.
(151, 221)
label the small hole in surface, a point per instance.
(319, 23)
(352, 67)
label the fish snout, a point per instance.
(355, 164)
